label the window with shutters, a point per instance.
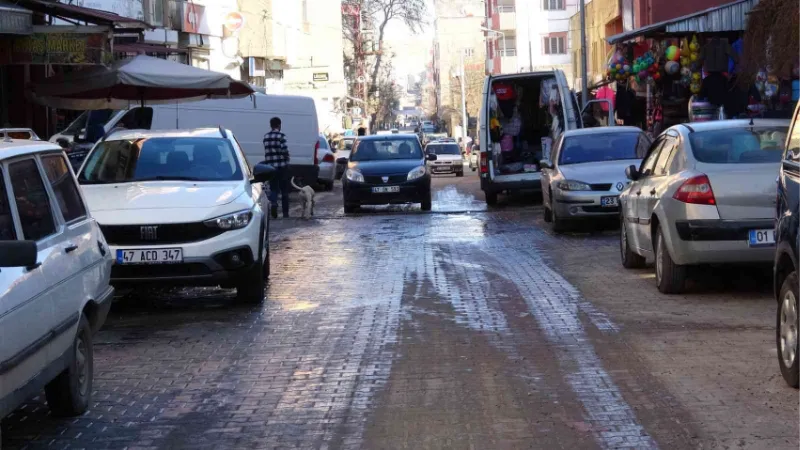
(553, 5)
(555, 45)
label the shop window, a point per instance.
(66, 191)
(555, 45)
(33, 203)
(553, 5)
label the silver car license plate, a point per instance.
(762, 238)
(609, 201)
(385, 189)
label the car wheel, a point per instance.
(251, 285)
(548, 214)
(426, 202)
(786, 331)
(630, 260)
(491, 198)
(350, 208)
(558, 224)
(460, 174)
(70, 393)
(670, 277)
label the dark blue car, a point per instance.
(386, 169)
(786, 264)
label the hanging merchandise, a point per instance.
(685, 51)
(618, 67)
(645, 67)
(771, 87)
(694, 56)
(672, 67)
(673, 53)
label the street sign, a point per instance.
(234, 21)
(321, 76)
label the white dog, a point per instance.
(307, 196)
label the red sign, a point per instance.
(234, 21)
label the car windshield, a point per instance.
(444, 149)
(167, 158)
(739, 145)
(386, 149)
(598, 147)
(323, 143)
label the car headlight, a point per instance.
(417, 172)
(354, 175)
(231, 221)
(572, 185)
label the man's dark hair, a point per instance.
(275, 122)
(362, 131)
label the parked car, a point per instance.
(386, 169)
(448, 158)
(247, 117)
(327, 164)
(786, 257)
(54, 280)
(343, 151)
(474, 156)
(705, 193)
(181, 208)
(585, 173)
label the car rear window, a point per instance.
(444, 149)
(739, 145)
(597, 147)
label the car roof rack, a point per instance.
(223, 132)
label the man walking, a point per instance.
(276, 153)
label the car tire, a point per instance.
(70, 393)
(460, 174)
(491, 198)
(670, 277)
(548, 214)
(250, 287)
(426, 203)
(350, 208)
(786, 331)
(630, 260)
(558, 224)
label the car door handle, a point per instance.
(653, 192)
(71, 248)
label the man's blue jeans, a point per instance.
(280, 184)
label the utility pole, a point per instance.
(463, 102)
(584, 74)
(530, 38)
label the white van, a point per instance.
(248, 122)
(510, 156)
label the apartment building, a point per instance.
(528, 35)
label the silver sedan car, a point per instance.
(585, 173)
(705, 193)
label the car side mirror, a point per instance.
(341, 160)
(18, 253)
(431, 157)
(632, 173)
(545, 164)
(263, 172)
(63, 143)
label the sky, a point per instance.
(412, 52)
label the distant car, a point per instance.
(181, 207)
(18, 133)
(384, 170)
(704, 194)
(586, 172)
(448, 158)
(786, 257)
(327, 163)
(344, 146)
(54, 280)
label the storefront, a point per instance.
(688, 69)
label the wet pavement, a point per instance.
(459, 328)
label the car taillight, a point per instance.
(316, 150)
(328, 158)
(696, 190)
(484, 162)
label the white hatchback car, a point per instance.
(54, 280)
(181, 207)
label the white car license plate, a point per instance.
(761, 238)
(530, 168)
(150, 256)
(385, 189)
(609, 201)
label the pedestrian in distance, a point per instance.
(276, 153)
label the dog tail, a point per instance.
(295, 185)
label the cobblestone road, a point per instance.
(464, 328)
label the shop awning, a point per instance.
(83, 14)
(142, 48)
(719, 19)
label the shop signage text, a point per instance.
(55, 48)
(15, 22)
(321, 76)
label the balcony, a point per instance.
(508, 17)
(508, 61)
